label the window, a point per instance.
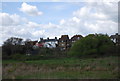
(62, 41)
(62, 44)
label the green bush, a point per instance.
(19, 57)
(97, 44)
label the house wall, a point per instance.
(50, 44)
(64, 44)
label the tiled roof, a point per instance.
(49, 40)
(64, 37)
(75, 37)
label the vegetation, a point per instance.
(94, 56)
(9, 50)
(64, 68)
(28, 52)
(92, 45)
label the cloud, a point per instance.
(32, 24)
(82, 11)
(30, 10)
(12, 25)
(8, 20)
(94, 17)
(98, 17)
(62, 21)
(38, 33)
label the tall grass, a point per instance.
(65, 68)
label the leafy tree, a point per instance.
(93, 44)
(12, 46)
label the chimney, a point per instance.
(56, 38)
(41, 39)
(116, 33)
(48, 38)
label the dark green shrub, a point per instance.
(92, 45)
(19, 57)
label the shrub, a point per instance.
(19, 57)
(98, 44)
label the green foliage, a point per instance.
(19, 57)
(9, 50)
(45, 51)
(97, 44)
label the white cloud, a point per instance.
(91, 18)
(8, 20)
(32, 24)
(39, 33)
(30, 10)
(62, 22)
(98, 17)
(16, 26)
(5, 19)
(76, 19)
(82, 11)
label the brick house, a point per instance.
(64, 42)
(32, 43)
(75, 38)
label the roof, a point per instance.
(75, 37)
(49, 40)
(64, 37)
(32, 42)
(115, 36)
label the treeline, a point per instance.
(93, 45)
(28, 52)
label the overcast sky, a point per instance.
(52, 19)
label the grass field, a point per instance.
(64, 68)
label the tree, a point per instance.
(13, 41)
(12, 46)
(93, 44)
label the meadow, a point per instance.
(62, 68)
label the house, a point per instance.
(39, 44)
(49, 43)
(75, 38)
(31, 43)
(115, 38)
(64, 42)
